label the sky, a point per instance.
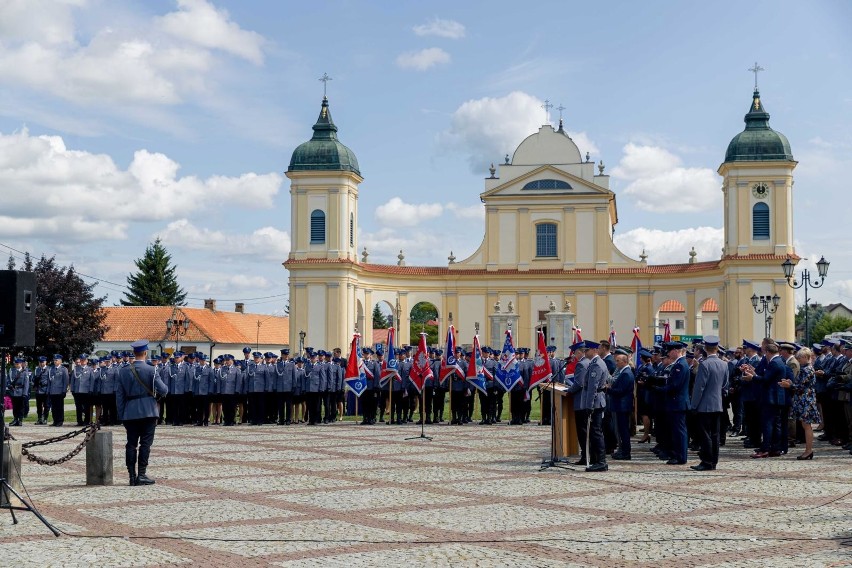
(121, 122)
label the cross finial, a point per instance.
(560, 108)
(547, 106)
(756, 69)
(325, 79)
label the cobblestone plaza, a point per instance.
(348, 495)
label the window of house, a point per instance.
(317, 227)
(715, 324)
(351, 229)
(547, 184)
(545, 240)
(679, 324)
(760, 221)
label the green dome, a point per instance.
(323, 151)
(758, 142)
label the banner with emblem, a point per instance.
(449, 364)
(667, 332)
(476, 367)
(389, 364)
(541, 372)
(508, 371)
(421, 370)
(356, 377)
(612, 341)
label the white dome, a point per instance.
(547, 146)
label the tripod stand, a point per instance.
(6, 491)
(554, 460)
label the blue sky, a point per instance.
(122, 121)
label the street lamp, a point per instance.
(302, 335)
(822, 270)
(768, 306)
(177, 328)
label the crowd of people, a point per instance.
(773, 394)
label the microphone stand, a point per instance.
(554, 461)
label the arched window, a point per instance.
(760, 221)
(545, 240)
(547, 184)
(352, 229)
(317, 227)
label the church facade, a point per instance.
(547, 258)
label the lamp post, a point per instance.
(766, 305)
(822, 270)
(302, 335)
(177, 328)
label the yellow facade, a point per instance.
(546, 182)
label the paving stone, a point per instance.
(272, 483)
(367, 498)
(187, 512)
(85, 552)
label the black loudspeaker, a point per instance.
(17, 308)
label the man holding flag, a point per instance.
(420, 372)
(541, 375)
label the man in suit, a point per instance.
(621, 395)
(597, 377)
(575, 386)
(676, 401)
(772, 397)
(58, 382)
(136, 397)
(710, 381)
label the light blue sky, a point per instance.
(101, 101)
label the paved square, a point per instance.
(356, 496)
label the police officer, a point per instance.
(203, 389)
(137, 393)
(676, 401)
(597, 377)
(399, 392)
(58, 382)
(18, 389)
(582, 407)
(621, 394)
(229, 385)
(459, 389)
(284, 370)
(710, 381)
(81, 385)
(41, 384)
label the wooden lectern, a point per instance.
(563, 427)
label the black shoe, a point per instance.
(702, 467)
(600, 466)
(143, 479)
(133, 481)
(581, 461)
(675, 461)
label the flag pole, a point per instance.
(421, 353)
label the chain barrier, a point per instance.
(88, 430)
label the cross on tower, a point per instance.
(756, 69)
(547, 106)
(325, 79)
(560, 108)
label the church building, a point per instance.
(547, 259)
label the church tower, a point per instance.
(758, 210)
(758, 188)
(324, 179)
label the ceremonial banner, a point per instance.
(356, 377)
(508, 373)
(667, 332)
(577, 335)
(476, 367)
(389, 365)
(420, 367)
(612, 340)
(541, 371)
(636, 345)
(449, 365)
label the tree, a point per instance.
(68, 318)
(380, 320)
(815, 313)
(829, 324)
(154, 284)
(10, 264)
(421, 314)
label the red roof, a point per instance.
(672, 306)
(130, 323)
(710, 305)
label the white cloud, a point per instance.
(441, 28)
(53, 191)
(397, 212)
(657, 181)
(470, 212)
(488, 128)
(267, 242)
(423, 59)
(200, 23)
(672, 247)
(161, 61)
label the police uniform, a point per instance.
(41, 384)
(58, 383)
(621, 394)
(675, 405)
(285, 372)
(137, 408)
(711, 381)
(18, 388)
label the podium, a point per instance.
(563, 426)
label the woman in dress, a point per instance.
(804, 407)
